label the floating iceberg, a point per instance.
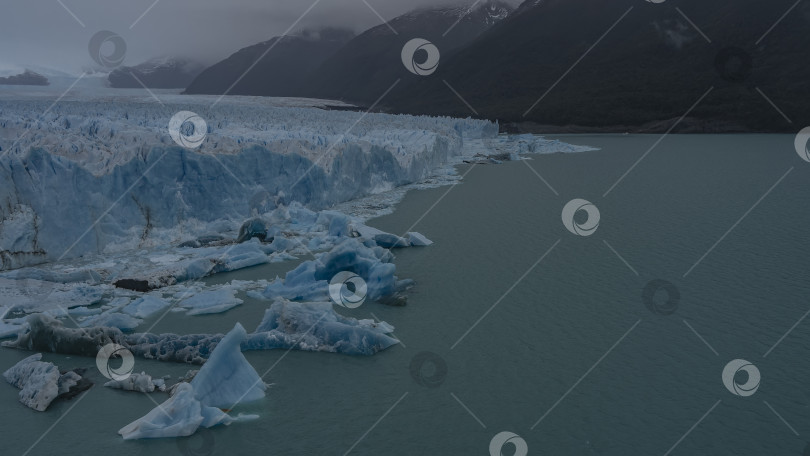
(181, 415)
(40, 383)
(226, 380)
(315, 326)
(286, 325)
(310, 280)
(142, 382)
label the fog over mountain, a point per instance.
(50, 35)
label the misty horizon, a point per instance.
(55, 36)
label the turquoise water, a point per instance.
(569, 340)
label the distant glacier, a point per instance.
(104, 175)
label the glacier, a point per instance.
(106, 223)
(113, 170)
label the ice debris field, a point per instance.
(107, 225)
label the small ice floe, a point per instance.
(145, 306)
(40, 383)
(211, 301)
(225, 381)
(142, 382)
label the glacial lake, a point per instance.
(532, 329)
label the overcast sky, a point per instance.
(43, 33)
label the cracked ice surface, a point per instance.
(78, 160)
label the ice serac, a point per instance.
(226, 380)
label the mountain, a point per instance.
(648, 70)
(367, 66)
(27, 77)
(161, 73)
(281, 72)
